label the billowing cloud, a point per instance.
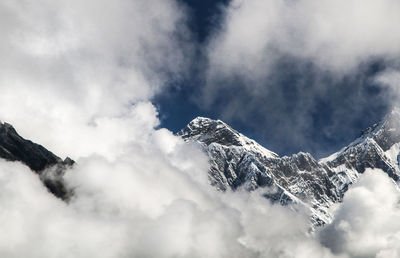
(70, 69)
(155, 201)
(367, 223)
(150, 202)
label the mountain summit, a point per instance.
(239, 162)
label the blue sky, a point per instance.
(297, 107)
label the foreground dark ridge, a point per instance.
(43, 162)
(239, 162)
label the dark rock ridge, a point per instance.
(47, 165)
(237, 161)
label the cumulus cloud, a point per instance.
(147, 203)
(367, 223)
(155, 201)
(72, 68)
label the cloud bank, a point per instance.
(151, 202)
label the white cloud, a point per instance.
(144, 204)
(70, 67)
(335, 35)
(367, 223)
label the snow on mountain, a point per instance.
(239, 162)
(215, 131)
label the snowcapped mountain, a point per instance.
(237, 161)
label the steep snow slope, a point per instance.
(237, 161)
(377, 147)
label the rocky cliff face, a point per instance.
(43, 162)
(237, 161)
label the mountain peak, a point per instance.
(201, 119)
(209, 131)
(202, 122)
